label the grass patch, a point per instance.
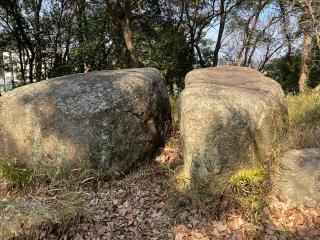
(245, 191)
(13, 177)
(247, 177)
(16, 176)
(304, 120)
(248, 190)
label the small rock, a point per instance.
(300, 177)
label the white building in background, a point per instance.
(8, 74)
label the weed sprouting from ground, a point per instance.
(15, 178)
(247, 177)
(247, 190)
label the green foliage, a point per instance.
(286, 71)
(248, 189)
(247, 177)
(206, 47)
(161, 45)
(26, 178)
(315, 67)
(76, 36)
(16, 176)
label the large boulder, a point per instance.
(229, 118)
(109, 120)
(299, 177)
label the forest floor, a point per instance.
(146, 205)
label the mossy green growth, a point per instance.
(247, 177)
(248, 190)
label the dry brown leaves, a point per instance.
(136, 207)
(281, 221)
(130, 211)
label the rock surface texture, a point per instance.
(17, 215)
(24, 219)
(229, 117)
(109, 120)
(299, 178)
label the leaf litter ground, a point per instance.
(145, 205)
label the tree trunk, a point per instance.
(249, 44)
(127, 35)
(249, 30)
(202, 64)
(31, 63)
(116, 32)
(312, 11)
(21, 64)
(305, 68)
(81, 25)
(284, 25)
(38, 56)
(14, 10)
(12, 70)
(222, 24)
(2, 71)
(4, 84)
(38, 66)
(287, 38)
(67, 43)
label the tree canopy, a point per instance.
(58, 37)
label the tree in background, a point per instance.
(306, 55)
(121, 14)
(58, 37)
(16, 24)
(309, 26)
